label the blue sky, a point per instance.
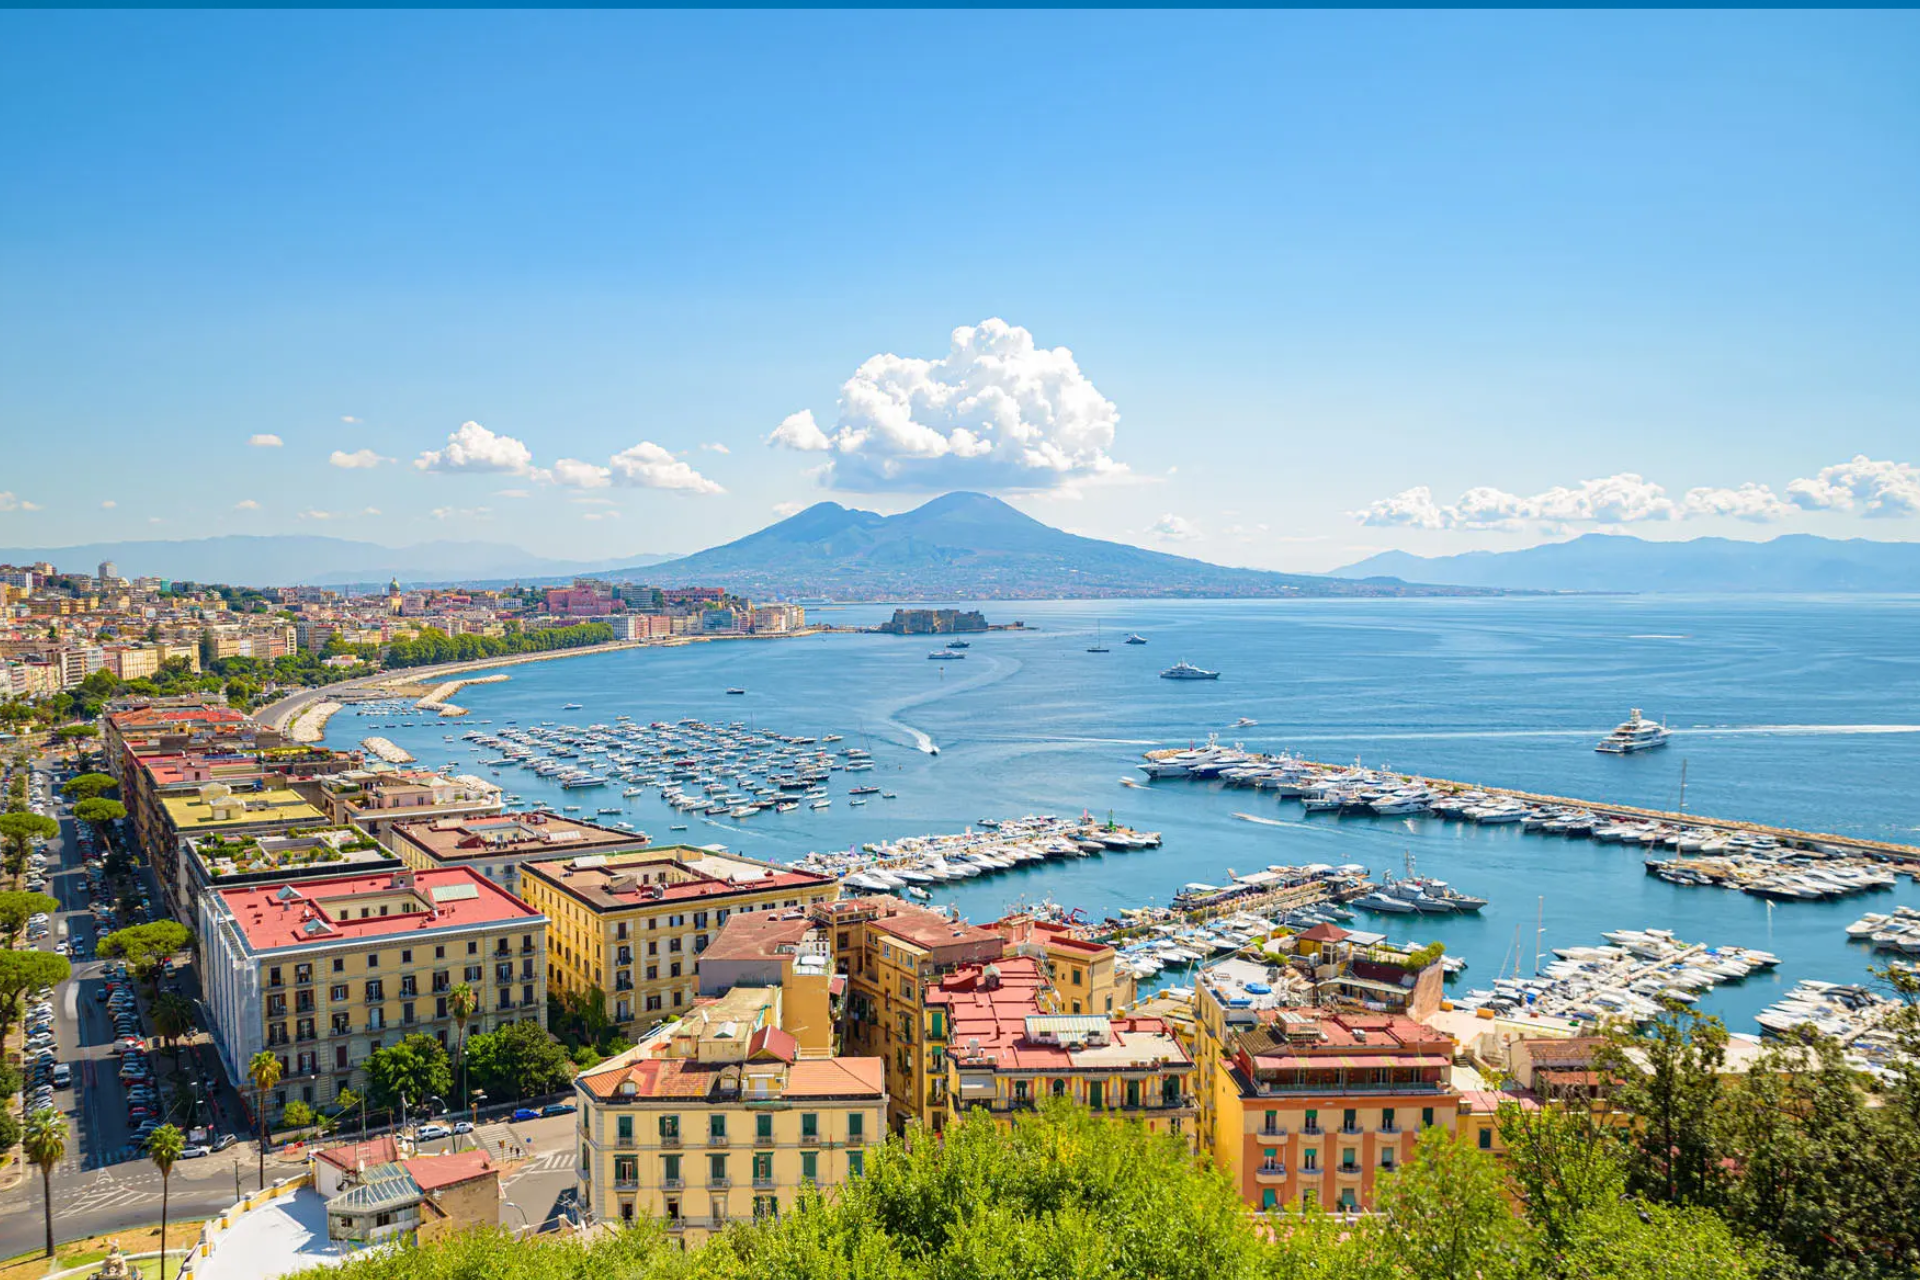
(1330, 283)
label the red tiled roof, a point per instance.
(270, 920)
(1325, 932)
(353, 1155)
(773, 1042)
(837, 1078)
(449, 1169)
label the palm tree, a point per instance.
(463, 1000)
(45, 1142)
(172, 1018)
(264, 1070)
(163, 1148)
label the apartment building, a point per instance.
(375, 799)
(629, 926)
(1311, 1106)
(1083, 971)
(1007, 1048)
(216, 861)
(891, 954)
(323, 972)
(783, 949)
(498, 845)
(716, 1118)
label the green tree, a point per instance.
(24, 971)
(461, 1003)
(88, 786)
(1563, 1164)
(263, 1069)
(142, 945)
(519, 1060)
(99, 812)
(20, 830)
(10, 1131)
(401, 1076)
(45, 1143)
(172, 1019)
(296, 1115)
(1669, 1076)
(163, 1148)
(1446, 1213)
(17, 907)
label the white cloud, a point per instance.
(1753, 502)
(9, 501)
(358, 460)
(459, 513)
(108, 504)
(1626, 498)
(474, 448)
(997, 411)
(800, 431)
(785, 509)
(648, 465)
(1410, 508)
(312, 513)
(714, 446)
(265, 440)
(370, 511)
(348, 419)
(1172, 528)
(600, 515)
(576, 474)
(1876, 488)
(246, 504)
(512, 493)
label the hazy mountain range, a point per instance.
(971, 546)
(1794, 562)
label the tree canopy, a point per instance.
(86, 786)
(99, 811)
(520, 1060)
(408, 1073)
(17, 906)
(141, 945)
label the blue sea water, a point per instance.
(1799, 711)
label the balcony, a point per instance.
(670, 1140)
(716, 1139)
(719, 1184)
(1348, 1170)
(1272, 1131)
(762, 1184)
(762, 1139)
(809, 1139)
(1352, 1130)
(856, 1139)
(1390, 1128)
(1311, 1130)
(673, 1184)
(624, 1141)
(1271, 1171)
(626, 1184)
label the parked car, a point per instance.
(557, 1109)
(224, 1141)
(430, 1132)
(196, 1151)
(463, 1126)
(525, 1113)
(62, 1076)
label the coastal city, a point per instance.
(959, 644)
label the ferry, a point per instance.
(958, 644)
(945, 655)
(1634, 734)
(1184, 670)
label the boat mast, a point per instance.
(1683, 784)
(1539, 927)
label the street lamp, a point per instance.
(526, 1224)
(475, 1101)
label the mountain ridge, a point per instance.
(1789, 563)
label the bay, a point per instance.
(1799, 711)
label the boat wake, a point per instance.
(997, 669)
(1265, 822)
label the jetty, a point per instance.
(440, 698)
(915, 862)
(387, 750)
(1742, 847)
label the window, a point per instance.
(625, 1128)
(670, 1169)
(626, 1169)
(1096, 1091)
(856, 1163)
(1020, 1091)
(339, 964)
(1133, 1093)
(1426, 1117)
(856, 1124)
(653, 973)
(1059, 1088)
(1349, 1120)
(670, 1128)
(763, 1167)
(809, 1125)
(406, 955)
(373, 960)
(1310, 1160)
(763, 1128)
(1486, 1139)
(473, 947)
(439, 953)
(809, 1166)
(717, 1126)
(1386, 1119)
(338, 991)
(717, 1170)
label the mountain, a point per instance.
(971, 546)
(1795, 562)
(279, 560)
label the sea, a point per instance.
(1798, 711)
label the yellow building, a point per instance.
(1085, 973)
(782, 949)
(891, 953)
(629, 926)
(716, 1118)
(323, 972)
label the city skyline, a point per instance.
(1267, 290)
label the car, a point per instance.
(557, 1109)
(100, 995)
(196, 1151)
(62, 1076)
(463, 1126)
(525, 1113)
(429, 1132)
(224, 1141)
(61, 949)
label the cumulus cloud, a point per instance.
(714, 446)
(651, 467)
(314, 513)
(246, 504)
(998, 411)
(474, 448)
(1873, 488)
(358, 460)
(108, 504)
(265, 440)
(1754, 502)
(1172, 528)
(1626, 498)
(575, 474)
(512, 493)
(10, 501)
(785, 509)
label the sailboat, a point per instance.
(1096, 646)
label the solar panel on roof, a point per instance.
(455, 893)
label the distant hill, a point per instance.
(286, 559)
(1795, 562)
(971, 546)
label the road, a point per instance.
(121, 1196)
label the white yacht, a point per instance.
(1187, 671)
(1634, 734)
